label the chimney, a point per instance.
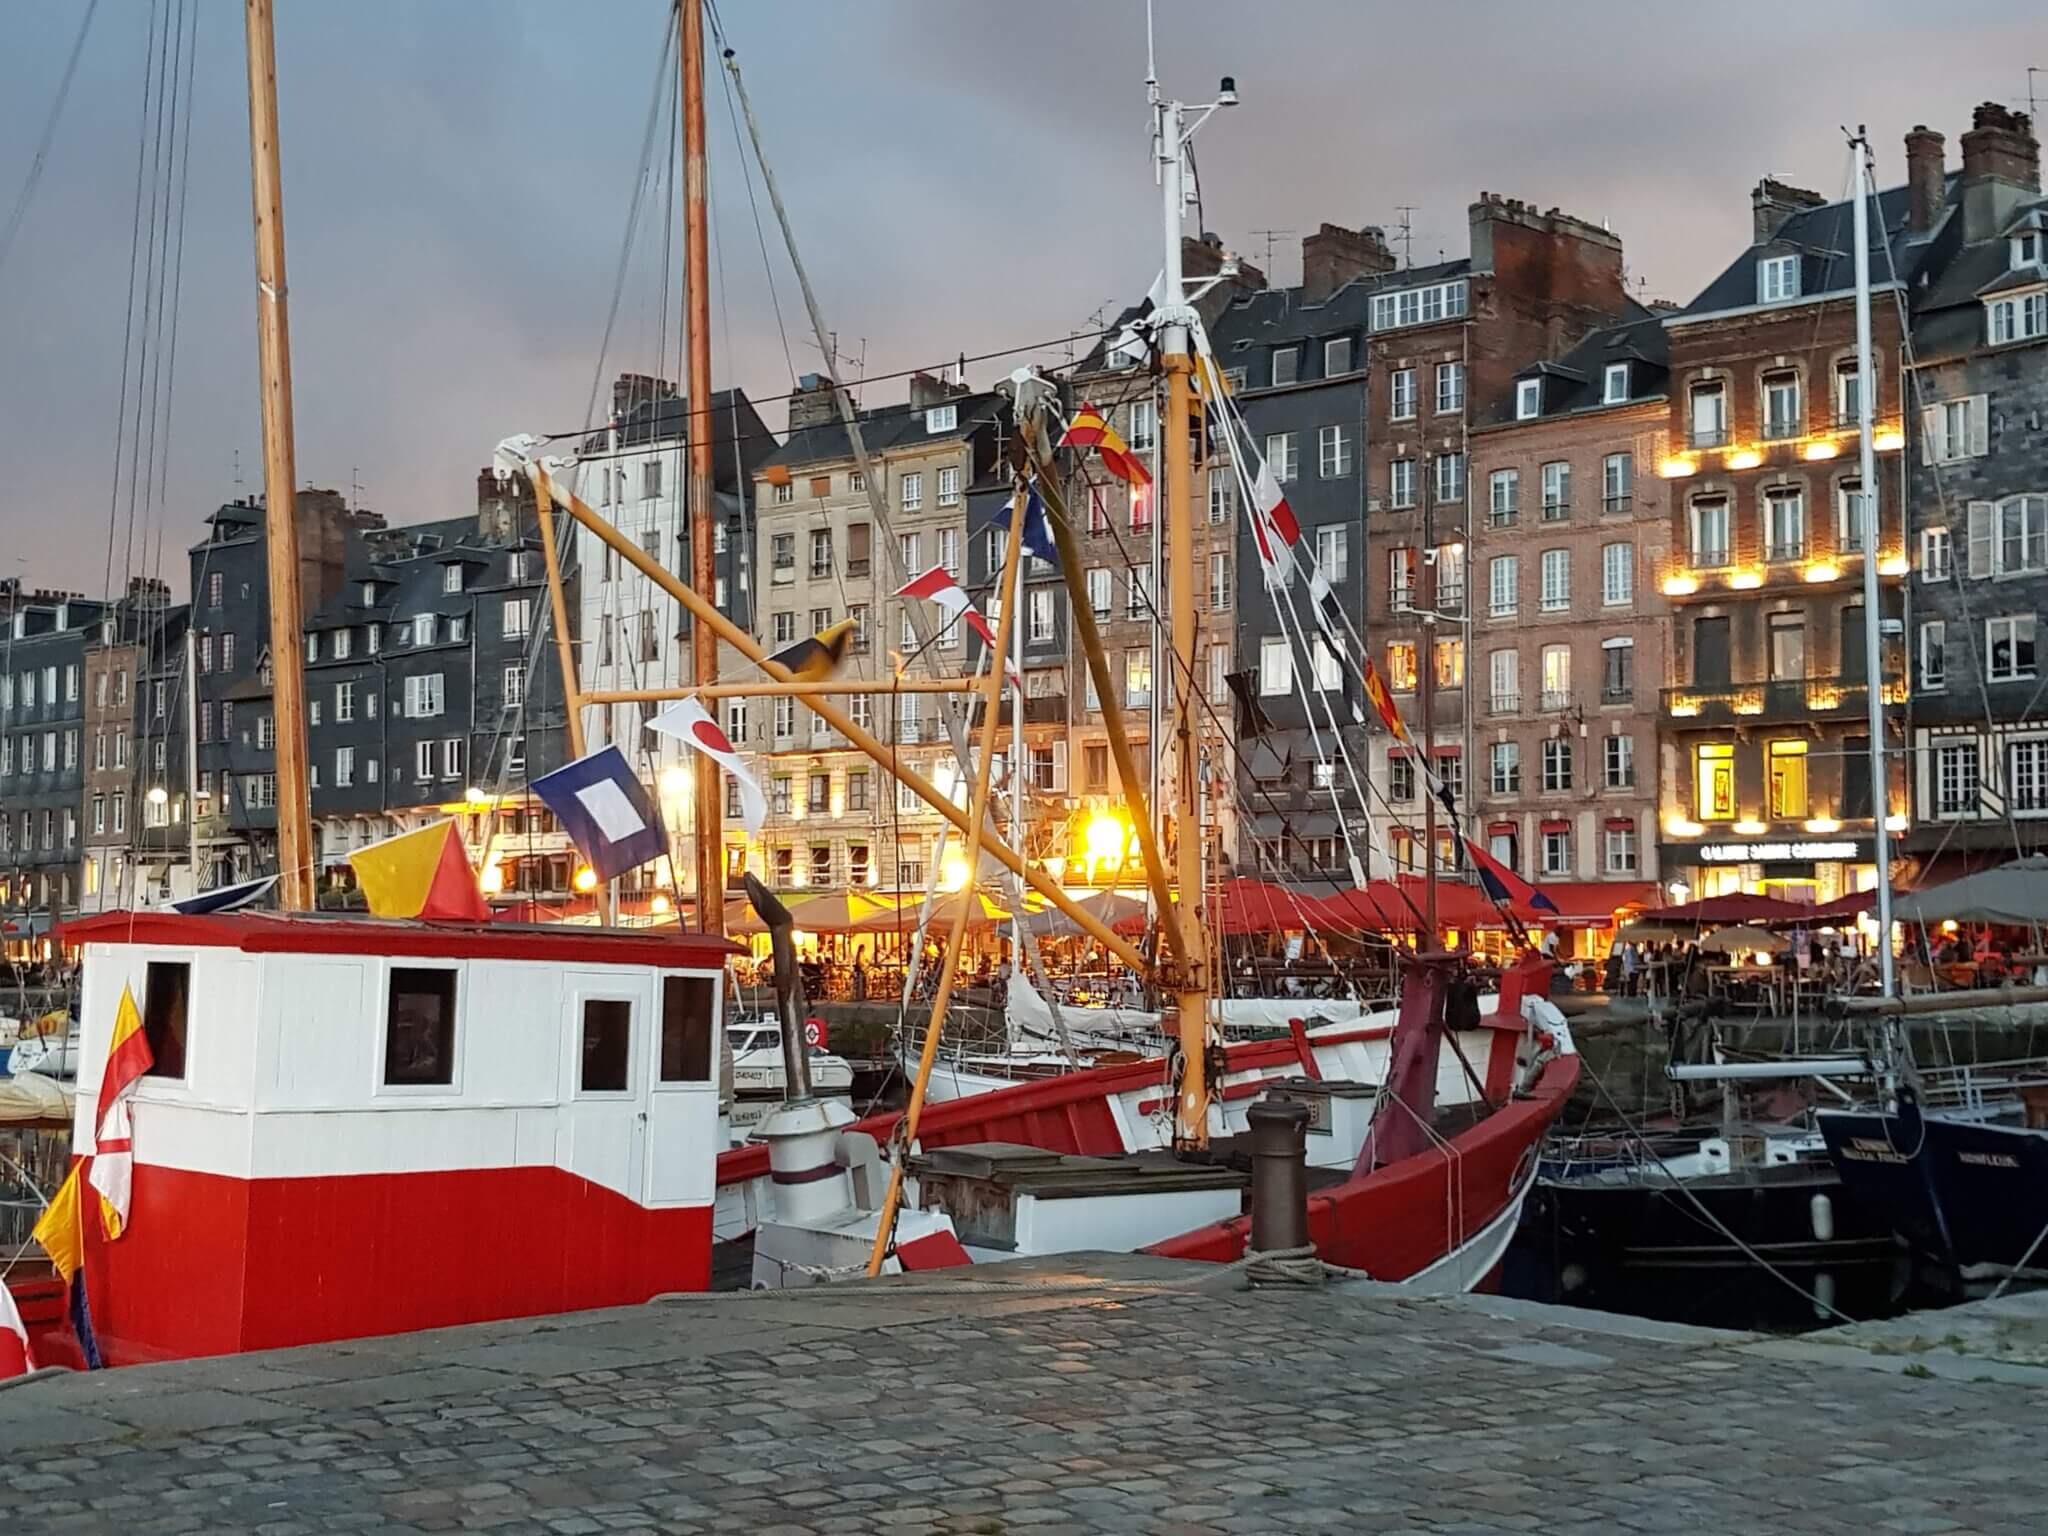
(1773, 202)
(498, 506)
(1205, 258)
(1926, 178)
(811, 405)
(1333, 256)
(928, 390)
(2001, 168)
(633, 390)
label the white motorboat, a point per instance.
(757, 1062)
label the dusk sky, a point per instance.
(963, 177)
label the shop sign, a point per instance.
(1766, 853)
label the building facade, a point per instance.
(136, 799)
(1765, 776)
(1977, 401)
(42, 758)
(1566, 620)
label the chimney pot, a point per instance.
(1926, 178)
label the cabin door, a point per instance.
(682, 1092)
(610, 1019)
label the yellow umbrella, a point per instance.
(1742, 939)
(837, 912)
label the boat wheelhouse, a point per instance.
(359, 1127)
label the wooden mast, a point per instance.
(280, 472)
(701, 503)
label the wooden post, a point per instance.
(704, 610)
(977, 819)
(702, 504)
(280, 471)
(558, 606)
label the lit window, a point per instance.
(1714, 780)
(1785, 764)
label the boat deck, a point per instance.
(1094, 1393)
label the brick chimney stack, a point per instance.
(1926, 178)
(928, 390)
(633, 390)
(1205, 258)
(2001, 168)
(811, 405)
(1334, 255)
(1773, 202)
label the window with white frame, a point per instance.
(1933, 655)
(1099, 597)
(1504, 682)
(1504, 501)
(1852, 517)
(1614, 384)
(2027, 248)
(2009, 648)
(1557, 490)
(344, 702)
(1138, 676)
(1137, 592)
(1336, 356)
(1144, 424)
(1937, 554)
(1617, 669)
(1557, 580)
(1333, 445)
(1333, 551)
(1708, 423)
(910, 492)
(423, 760)
(424, 696)
(1503, 585)
(1400, 776)
(1222, 496)
(1219, 582)
(2026, 776)
(1957, 785)
(1617, 575)
(517, 617)
(1557, 850)
(1617, 482)
(1450, 387)
(1329, 672)
(785, 716)
(1286, 365)
(1449, 471)
(1782, 416)
(1401, 395)
(1041, 610)
(342, 646)
(949, 487)
(1528, 399)
(2017, 317)
(1283, 455)
(513, 685)
(1956, 429)
(1848, 392)
(1557, 762)
(1276, 666)
(785, 628)
(451, 577)
(1555, 663)
(942, 418)
(422, 631)
(1777, 279)
(1450, 578)
(1620, 757)
(1710, 542)
(1401, 483)
(344, 767)
(1401, 578)
(1505, 768)
(1620, 840)
(1419, 306)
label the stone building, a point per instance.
(42, 759)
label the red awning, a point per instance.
(1736, 907)
(1556, 824)
(1588, 903)
(1853, 905)
(1498, 828)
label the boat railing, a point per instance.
(1978, 1085)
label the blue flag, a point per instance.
(606, 811)
(1037, 534)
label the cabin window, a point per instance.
(419, 1027)
(688, 1004)
(164, 994)
(607, 1044)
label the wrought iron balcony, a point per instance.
(1774, 702)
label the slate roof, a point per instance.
(1577, 381)
(1824, 239)
(882, 428)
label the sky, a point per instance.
(458, 177)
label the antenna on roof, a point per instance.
(1407, 235)
(2032, 110)
(238, 469)
(1271, 237)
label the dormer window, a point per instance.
(423, 629)
(1777, 279)
(2026, 249)
(942, 418)
(451, 578)
(369, 594)
(1528, 399)
(1614, 387)
(2019, 317)
(1286, 365)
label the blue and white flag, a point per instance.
(606, 811)
(1037, 534)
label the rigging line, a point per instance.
(158, 399)
(754, 205)
(41, 157)
(177, 292)
(151, 277)
(128, 337)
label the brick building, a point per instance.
(1566, 621)
(1765, 778)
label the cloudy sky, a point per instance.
(964, 177)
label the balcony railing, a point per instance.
(857, 567)
(1772, 702)
(1617, 504)
(1503, 517)
(1450, 596)
(1779, 428)
(1556, 700)
(1778, 551)
(1618, 693)
(1713, 558)
(1048, 709)
(1708, 437)
(1556, 511)
(1504, 704)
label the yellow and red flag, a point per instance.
(1091, 429)
(1383, 701)
(113, 1161)
(61, 1229)
(424, 874)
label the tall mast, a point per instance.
(1185, 970)
(280, 471)
(701, 505)
(1873, 613)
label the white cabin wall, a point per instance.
(312, 1049)
(511, 1033)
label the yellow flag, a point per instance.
(60, 1230)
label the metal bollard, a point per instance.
(1279, 1174)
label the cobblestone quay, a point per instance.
(1140, 1402)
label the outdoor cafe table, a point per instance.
(1724, 981)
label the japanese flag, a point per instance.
(688, 721)
(15, 1359)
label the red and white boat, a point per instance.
(363, 1127)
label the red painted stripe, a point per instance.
(1306, 1051)
(805, 1175)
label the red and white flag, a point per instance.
(113, 1162)
(937, 585)
(690, 722)
(15, 1357)
(1274, 527)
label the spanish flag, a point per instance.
(815, 659)
(113, 1161)
(1091, 429)
(1383, 702)
(422, 874)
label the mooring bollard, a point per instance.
(1279, 1175)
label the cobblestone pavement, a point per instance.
(1136, 1406)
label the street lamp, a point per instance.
(157, 795)
(1679, 891)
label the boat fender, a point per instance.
(1823, 1213)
